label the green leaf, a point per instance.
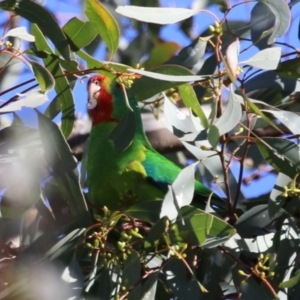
(80, 33)
(62, 86)
(122, 135)
(290, 68)
(291, 282)
(157, 15)
(150, 286)
(232, 57)
(92, 62)
(63, 165)
(182, 284)
(21, 33)
(66, 244)
(228, 120)
(196, 226)
(132, 278)
(282, 154)
(277, 200)
(159, 80)
(146, 210)
(213, 136)
(162, 52)
(74, 277)
(267, 59)
(251, 223)
(190, 100)
(155, 233)
(290, 119)
(161, 73)
(104, 23)
(180, 194)
(251, 105)
(32, 99)
(283, 17)
(190, 56)
(176, 119)
(8, 58)
(43, 76)
(35, 13)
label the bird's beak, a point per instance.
(93, 94)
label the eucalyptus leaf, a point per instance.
(37, 14)
(283, 17)
(157, 15)
(21, 33)
(130, 278)
(31, 99)
(232, 54)
(7, 59)
(277, 199)
(282, 154)
(288, 118)
(189, 98)
(166, 77)
(183, 188)
(80, 33)
(43, 76)
(191, 56)
(231, 115)
(228, 120)
(146, 210)
(267, 59)
(62, 86)
(252, 222)
(177, 119)
(122, 135)
(59, 157)
(104, 23)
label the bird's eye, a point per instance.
(96, 82)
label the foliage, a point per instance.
(154, 250)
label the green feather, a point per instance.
(139, 173)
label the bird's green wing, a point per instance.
(162, 172)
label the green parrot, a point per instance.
(139, 173)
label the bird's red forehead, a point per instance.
(99, 77)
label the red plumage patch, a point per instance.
(102, 112)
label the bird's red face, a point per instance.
(100, 101)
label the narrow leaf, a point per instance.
(290, 68)
(288, 118)
(267, 59)
(21, 33)
(32, 99)
(228, 120)
(36, 14)
(166, 77)
(189, 98)
(283, 17)
(232, 57)
(104, 23)
(122, 135)
(62, 86)
(177, 119)
(155, 81)
(157, 15)
(63, 165)
(282, 154)
(80, 33)
(43, 76)
(183, 188)
(231, 116)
